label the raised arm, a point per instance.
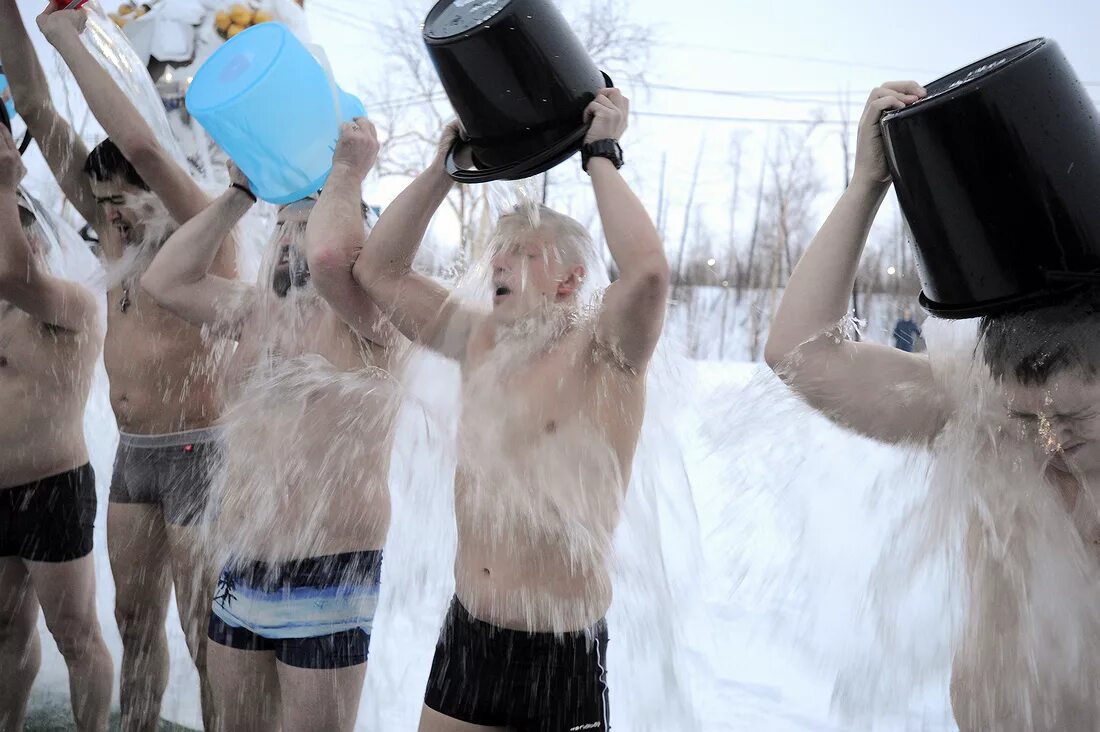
(24, 279)
(421, 308)
(336, 232)
(878, 391)
(180, 277)
(120, 118)
(63, 149)
(634, 306)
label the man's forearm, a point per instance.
(631, 236)
(15, 252)
(817, 296)
(396, 237)
(29, 86)
(189, 253)
(335, 229)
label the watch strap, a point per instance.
(609, 149)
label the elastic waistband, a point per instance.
(172, 439)
(326, 571)
(75, 477)
(458, 611)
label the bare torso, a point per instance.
(163, 375)
(546, 442)
(308, 434)
(45, 377)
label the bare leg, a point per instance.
(66, 591)
(20, 647)
(433, 721)
(245, 688)
(138, 546)
(321, 700)
(194, 581)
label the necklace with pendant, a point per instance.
(124, 303)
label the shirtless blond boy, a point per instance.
(553, 395)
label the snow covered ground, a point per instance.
(738, 643)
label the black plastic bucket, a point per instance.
(519, 80)
(998, 174)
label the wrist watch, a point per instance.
(609, 149)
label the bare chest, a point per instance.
(27, 347)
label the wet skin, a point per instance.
(44, 435)
(162, 376)
(554, 431)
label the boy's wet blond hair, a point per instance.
(571, 241)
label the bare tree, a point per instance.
(845, 134)
(732, 273)
(679, 281)
(788, 204)
(410, 106)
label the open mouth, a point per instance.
(124, 229)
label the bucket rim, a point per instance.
(965, 86)
(285, 32)
(995, 306)
(458, 37)
(563, 149)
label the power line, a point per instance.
(795, 57)
(755, 120)
(755, 95)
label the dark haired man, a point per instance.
(162, 382)
(49, 342)
(1044, 362)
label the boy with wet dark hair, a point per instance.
(1043, 362)
(163, 385)
(106, 163)
(1034, 345)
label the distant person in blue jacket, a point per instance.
(906, 332)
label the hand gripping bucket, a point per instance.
(275, 110)
(998, 173)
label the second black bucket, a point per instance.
(998, 174)
(519, 80)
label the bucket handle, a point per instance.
(1066, 276)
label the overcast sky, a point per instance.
(817, 49)
(806, 52)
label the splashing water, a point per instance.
(112, 49)
(957, 563)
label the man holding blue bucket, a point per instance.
(553, 397)
(303, 489)
(161, 371)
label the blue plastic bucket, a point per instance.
(268, 102)
(5, 97)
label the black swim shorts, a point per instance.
(530, 682)
(49, 520)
